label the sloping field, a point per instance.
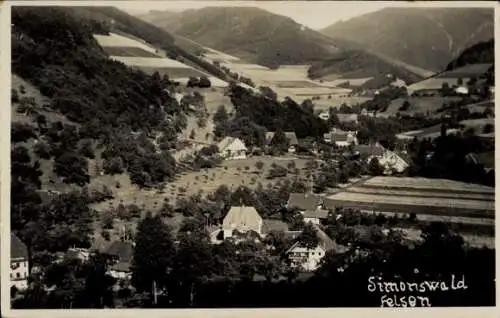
(117, 40)
(471, 70)
(429, 132)
(429, 184)
(420, 104)
(129, 51)
(149, 62)
(477, 124)
(180, 74)
(436, 197)
(429, 194)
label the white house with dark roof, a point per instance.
(121, 253)
(341, 138)
(242, 219)
(315, 216)
(309, 259)
(390, 161)
(19, 263)
(232, 148)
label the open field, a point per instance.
(231, 172)
(352, 81)
(428, 184)
(423, 194)
(419, 104)
(296, 84)
(467, 71)
(429, 132)
(442, 218)
(129, 51)
(117, 40)
(478, 124)
(149, 62)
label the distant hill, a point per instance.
(480, 53)
(252, 34)
(428, 38)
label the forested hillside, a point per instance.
(480, 53)
(252, 34)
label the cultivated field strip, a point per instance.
(428, 184)
(149, 62)
(114, 39)
(129, 51)
(177, 73)
(408, 207)
(423, 194)
(441, 218)
(417, 201)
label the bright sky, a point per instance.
(314, 14)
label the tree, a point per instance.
(193, 82)
(309, 237)
(406, 105)
(259, 165)
(72, 168)
(280, 141)
(204, 82)
(221, 115)
(488, 129)
(375, 168)
(153, 254)
(193, 261)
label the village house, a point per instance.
(19, 264)
(242, 219)
(121, 253)
(389, 160)
(316, 216)
(232, 148)
(348, 118)
(304, 202)
(341, 138)
(293, 142)
(309, 259)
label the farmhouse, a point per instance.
(405, 195)
(304, 202)
(232, 148)
(242, 219)
(19, 265)
(121, 253)
(309, 259)
(341, 138)
(348, 118)
(315, 216)
(290, 136)
(391, 161)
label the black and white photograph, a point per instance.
(250, 154)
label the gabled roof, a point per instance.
(231, 143)
(324, 241)
(290, 135)
(242, 216)
(17, 248)
(121, 267)
(121, 250)
(319, 214)
(304, 201)
(347, 117)
(370, 150)
(404, 155)
(270, 225)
